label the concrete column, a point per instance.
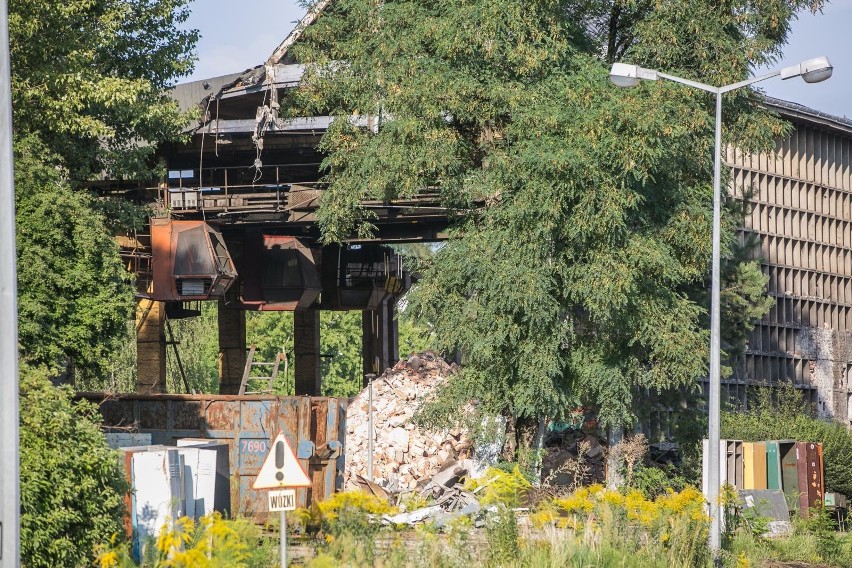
(150, 346)
(615, 458)
(306, 347)
(232, 348)
(391, 336)
(380, 338)
(369, 342)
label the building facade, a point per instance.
(800, 213)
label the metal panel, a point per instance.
(815, 491)
(773, 465)
(749, 481)
(247, 424)
(788, 455)
(802, 471)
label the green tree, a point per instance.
(74, 295)
(89, 77)
(341, 364)
(72, 484)
(577, 272)
(88, 88)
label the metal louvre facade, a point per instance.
(800, 215)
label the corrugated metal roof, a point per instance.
(807, 114)
(189, 95)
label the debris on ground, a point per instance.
(404, 456)
(573, 457)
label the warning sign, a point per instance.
(281, 468)
(282, 500)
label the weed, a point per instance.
(500, 487)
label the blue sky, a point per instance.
(238, 34)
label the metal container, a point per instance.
(314, 426)
(189, 261)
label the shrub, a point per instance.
(347, 518)
(72, 484)
(212, 542)
(501, 487)
(655, 481)
(502, 535)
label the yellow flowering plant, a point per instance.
(499, 487)
(673, 524)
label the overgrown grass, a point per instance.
(814, 541)
(593, 527)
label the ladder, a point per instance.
(270, 380)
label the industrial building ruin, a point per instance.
(237, 225)
(800, 199)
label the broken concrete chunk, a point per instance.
(413, 517)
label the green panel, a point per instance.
(773, 465)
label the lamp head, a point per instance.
(811, 71)
(627, 75)
(816, 70)
(624, 75)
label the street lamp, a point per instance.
(626, 75)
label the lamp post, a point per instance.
(626, 75)
(9, 471)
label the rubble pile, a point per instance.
(573, 458)
(405, 457)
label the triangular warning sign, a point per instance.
(281, 468)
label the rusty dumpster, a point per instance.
(315, 427)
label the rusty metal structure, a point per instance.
(243, 192)
(314, 426)
(235, 222)
(253, 177)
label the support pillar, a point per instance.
(380, 338)
(232, 348)
(306, 347)
(150, 346)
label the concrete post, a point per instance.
(615, 458)
(150, 346)
(306, 347)
(232, 348)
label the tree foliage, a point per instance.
(74, 294)
(88, 81)
(88, 76)
(577, 272)
(72, 484)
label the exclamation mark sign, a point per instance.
(279, 461)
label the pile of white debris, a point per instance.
(405, 457)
